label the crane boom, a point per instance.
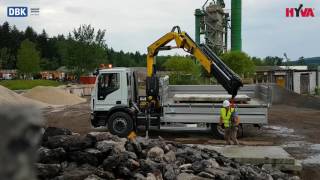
(208, 59)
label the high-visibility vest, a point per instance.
(225, 114)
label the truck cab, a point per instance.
(112, 100)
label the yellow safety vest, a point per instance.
(226, 116)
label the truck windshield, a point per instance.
(107, 83)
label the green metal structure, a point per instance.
(198, 15)
(236, 18)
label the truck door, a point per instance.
(108, 90)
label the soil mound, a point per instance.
(53, 95)
(9, 97)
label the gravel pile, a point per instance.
(9, 97)
(100, 155)
(53, 96)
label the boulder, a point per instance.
(93, 177)
(51, 156)
(170, 173)
(156, 154)
(48, 170)
(139, 176)
(82, 157)
(108, 145)
(69, 142)
(101, 136)
(170, 157)
(55, 131)
(186, 176)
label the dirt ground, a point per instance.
(295, 129)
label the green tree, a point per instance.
(273, 61)
(301, 61)
(257, 61)
(239, 62)
(28, 59)
(84, 50)
(183, 70)
(5, 58)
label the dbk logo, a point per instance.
(300, 11)
(17, 11)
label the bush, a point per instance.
(239, 62)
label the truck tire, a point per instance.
(120, 124)
(218, 131)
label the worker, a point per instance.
(230, 121)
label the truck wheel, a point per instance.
(120, 124)
(217, 130)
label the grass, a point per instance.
(27, 84)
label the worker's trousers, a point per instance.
(230, 134)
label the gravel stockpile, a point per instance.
(8, 97)
(53, 95)
(100, 155)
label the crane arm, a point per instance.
(208, 59)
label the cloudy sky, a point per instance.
(133, 25)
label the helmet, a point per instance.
(226, 103)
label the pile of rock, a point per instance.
(100, 155)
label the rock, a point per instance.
(101, 136)
(155, 154)
(111, 162)
(189, 155)
(249, 172)
(95, 152)
(206, 175)
(123, 172)
(134, 146)
(77, 174)
(48, 170)
(276, 174)
(217, 172)
(198, 166)
(108, 145)
(132, 164)
(148, 165)
(130, 155)
(170, 173)
(55, 131)
(81, 157)
(104, 174)
(210, 163)
(129, 147)
(186, 176)
(51, 156)
(294, 178)
(170, 157)
(69, 142)
(93, 177)
(139, 176)
(185, 166)
(151, 176)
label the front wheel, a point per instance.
(120, 124)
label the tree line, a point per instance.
(83, 49)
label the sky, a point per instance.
(133, 25)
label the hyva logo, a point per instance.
(300, 12)
(17, 11)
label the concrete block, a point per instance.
(258, 155)
(208, 98)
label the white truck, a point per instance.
(115, 100)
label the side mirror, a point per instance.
(96, 73)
